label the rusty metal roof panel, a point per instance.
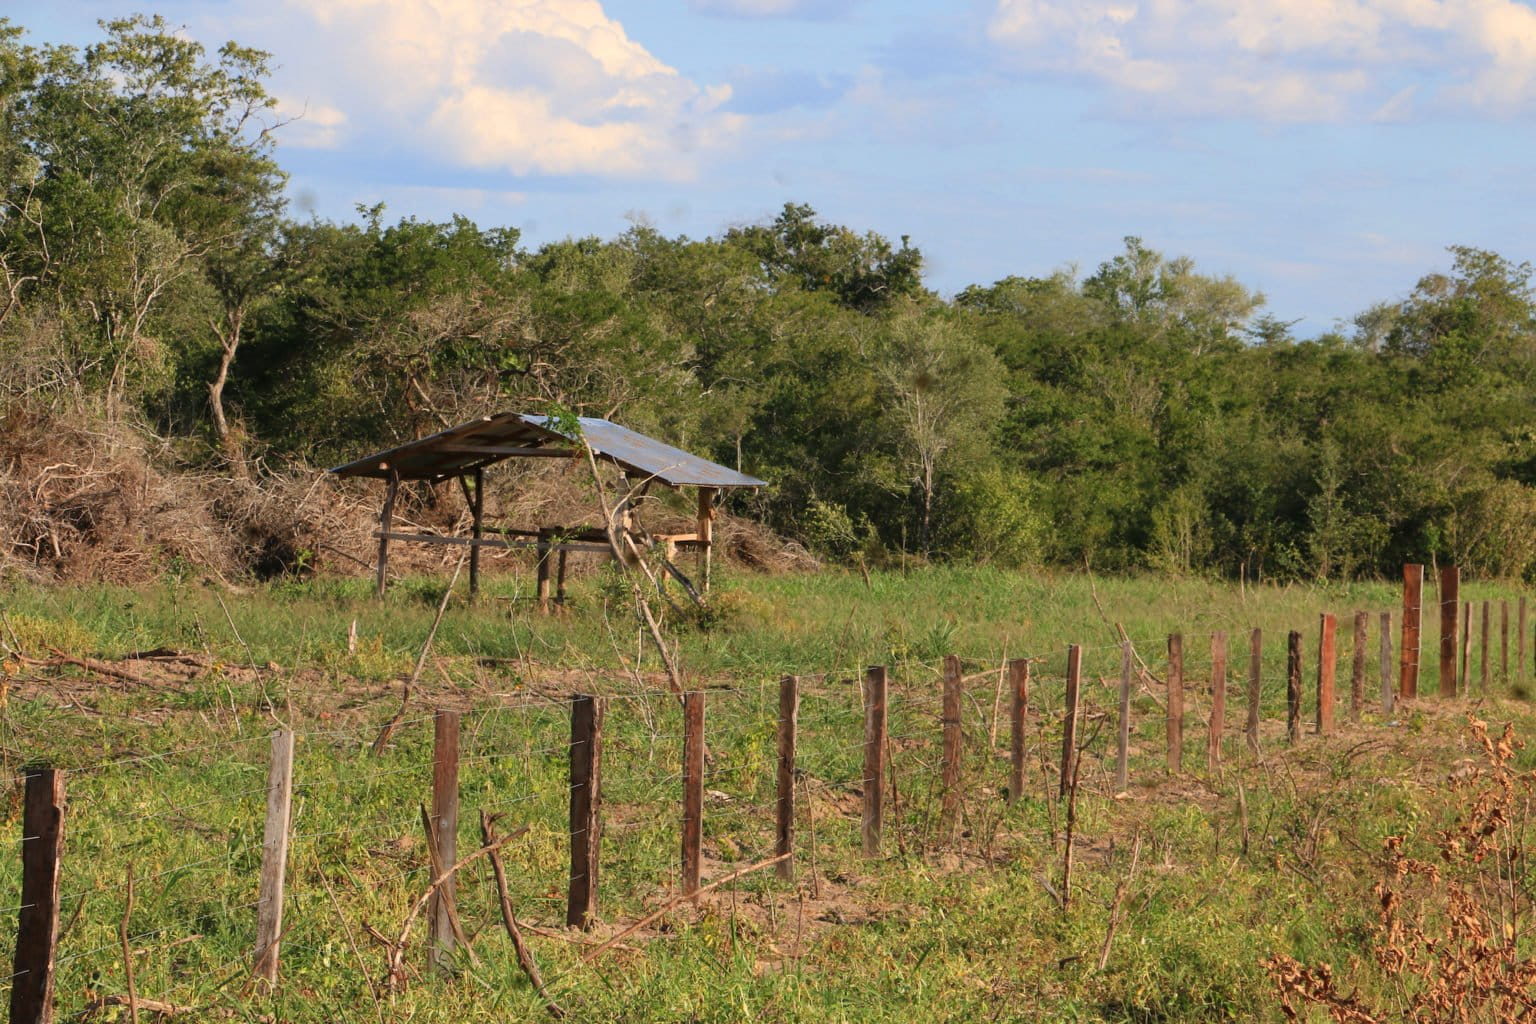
(650, 457)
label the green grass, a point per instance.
(170, 779)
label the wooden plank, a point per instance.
(274, 857)
(1255, 676)
(477, 512)
(784, 803)
(1293, 688)
(586, 822)
(874, 758)
(445, 825)
(1069, 716)
(37, 922)
(1504, 643)
(1175, 713)
(386, 517)
(497, 542)
(1123, 734)
(1018, 678)
(1218, 723)
(693, 788)
(1387, 691)
(1327, 663)
(1357, 669)
(1450, 599)
(1413, 591)
(950, 763)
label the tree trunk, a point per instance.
(229, 342)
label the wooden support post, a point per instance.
(386, 521)
(1175, 703)
(1503, 644)
(706, 534)
(274, 857)
(1218, 723)
(874, 758)
(1413, 591)
(693, 788)
(1357, 672)
(37, 922)
(586, 819)
(1018, 678)
(445, 825)
(1386, 663)
(950, 765)
(1327, 663)
(1520, 642)
(784, 805)
(541, 577)
(1293, 688)
(1450, 598)
(1069, 716)
(1466, 678)
(560, 577)
(477, 511)
(1255, 676)
(1123, 734)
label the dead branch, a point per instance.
(509, 919)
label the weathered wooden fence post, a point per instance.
(274, 857)
(1175, 703)
(1450, 598)
(445, 827)
(1386, 663)
(1069, 716)
(1293, 687)
(1504, 642)
(1357, 673)
(949, 803)
(1218, 723)
(784, 803)
(693, 788)
(1255, 674)
(1123, 733)
(1413, 591)
(1327, 664)
(1018, 677)
(586, 810)
(37, 921)
(386, 523)
(1520, 641)
(1466, 677)
(874, 758)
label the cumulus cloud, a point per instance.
(772, 8)
(1299, 60)
(527, 86)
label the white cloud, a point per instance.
(526, 86)
(1297, 60)
(309, 125)
(773, 8)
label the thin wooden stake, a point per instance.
(477, 516)
(1123, 734)
(1413, 591)
(1218, 723)
(274, 857)
(1466, 679)
(586, 822)
(1466, 647)
(1503, 643)
(37, 926)
(1018, 676)
(693, 788)
(1069, 717)
(1327, 663)
(445, 824)
(1255, 677)
(1520, 642)
(1386, 663)
(874, 758)
(1293, 688)
(784, 805)
(1175, 703)
(1450, 598)
(950, 765)
(1357, 670)
(386, 518)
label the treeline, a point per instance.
(1145, 415)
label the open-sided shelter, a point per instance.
(464, 452)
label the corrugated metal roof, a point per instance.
(480, 442)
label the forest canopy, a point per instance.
(1146, 415)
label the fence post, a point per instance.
(1293, 687)
(1357, 673)
(1175, 703)
(1386, 663)
(445, 826)
(274, 857)
(1123, 737)
(1255, 670)
(874, 758)
(1069, 716)
(37, 922)
(1018, 676)
(784, 805)
(1413, 621)
(1503, 642)
(949, 803)
(693, 788)
(1327, 663)
(546, 541)
(1218, 700)
(1466, 677)
(586, 811)
(1450, 597)
(1520, 641)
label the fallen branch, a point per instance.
(388, 731)
(1115, 916)
(100, 668)
(509, 919)
(448, 904)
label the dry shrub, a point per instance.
(1448, 929)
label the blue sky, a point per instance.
(1324, 152)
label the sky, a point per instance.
(1323, 152)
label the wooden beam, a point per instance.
(497, 542)
(706, 533)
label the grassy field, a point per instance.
(1182, 886)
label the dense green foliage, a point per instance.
(1144, 415)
